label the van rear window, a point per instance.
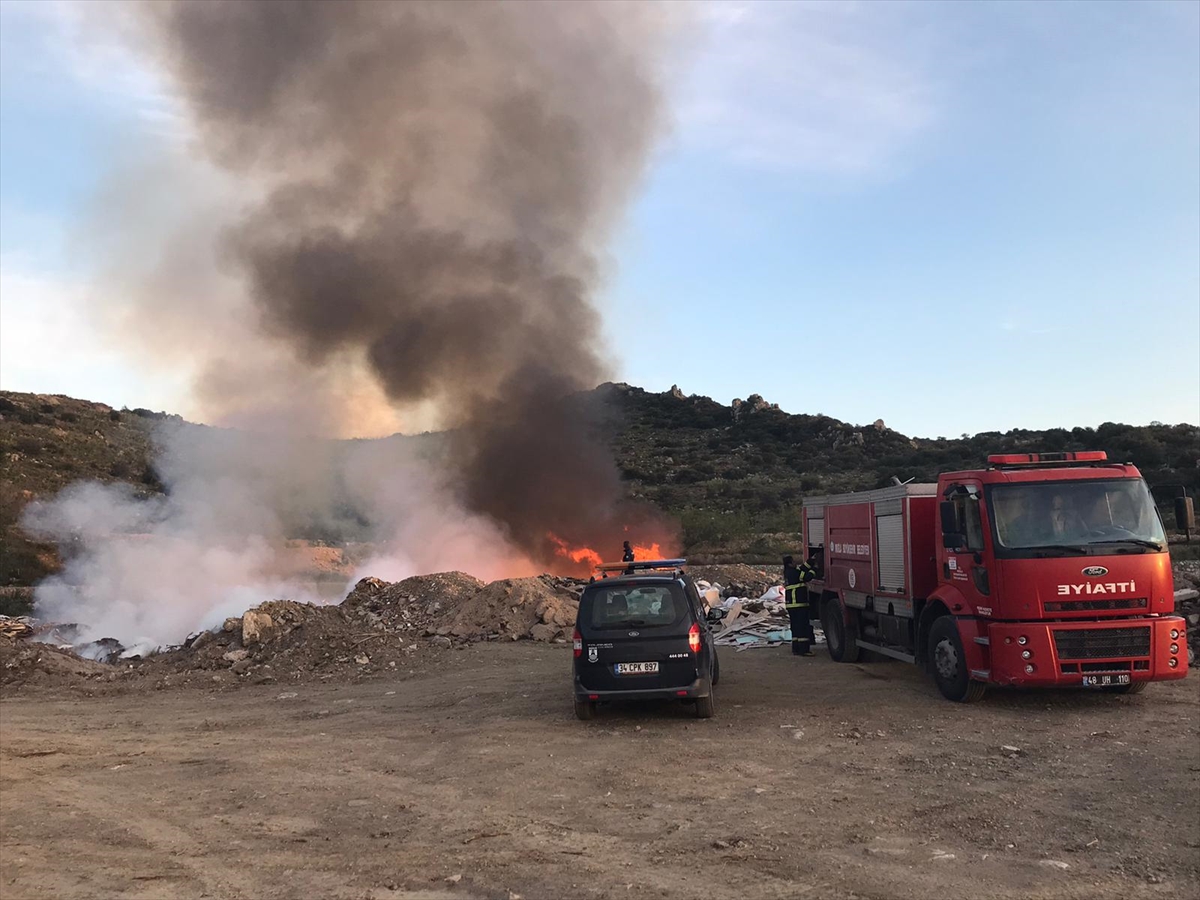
(629, 606)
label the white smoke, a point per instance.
(373, 217)
(148, 571)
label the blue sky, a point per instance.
(954, 217)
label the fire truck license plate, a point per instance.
(639, 668)
(1104, 680)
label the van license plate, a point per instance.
(1104, 680)
(638, 668)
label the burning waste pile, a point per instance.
(378, 627)
(326, 260)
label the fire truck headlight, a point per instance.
(1174, 648)
(1174, 663)
(1026, 654)
(1174, 634)
(1022, 640)
(1029, 669)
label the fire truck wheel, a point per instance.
(841, 641)
(585, 709)
(949, 663)
(1136, 688)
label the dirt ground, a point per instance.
(471, 778)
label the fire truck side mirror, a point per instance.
(1185, 515)
(952, 538)
(949, 517)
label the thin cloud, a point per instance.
(1020, 326)
(90, 43)
(817, 88)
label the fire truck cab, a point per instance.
(1039, 570)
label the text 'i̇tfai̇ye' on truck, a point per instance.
(1042, 570)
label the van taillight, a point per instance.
(577, 642)
(694, 638)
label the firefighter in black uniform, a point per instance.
(796, 602)
(627, 556)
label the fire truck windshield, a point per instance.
(1101, 516)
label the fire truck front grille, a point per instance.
(1080, 605)
(1101, 643)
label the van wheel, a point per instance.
(706, 706)
(949, 663)
(841, 640)
(1136, 688)
(585, 709)
(716, 676)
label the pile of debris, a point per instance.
(21, 626)
(752, 631)
(28, 662)
(749, 623)
(739, 579)
(754, 624)
(419, 603)
(541, 608)
(378, 627)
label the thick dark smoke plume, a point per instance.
(428, 187)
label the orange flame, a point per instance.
(588, 556)
(652, 551)
(575, 554)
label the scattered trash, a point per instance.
(755, 624)
(15, 627)
(1054, 864)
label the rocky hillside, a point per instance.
(733, 474)
(736, 474)
(47, 442)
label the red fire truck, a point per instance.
(1041, 570)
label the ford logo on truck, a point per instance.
(1095, 571)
